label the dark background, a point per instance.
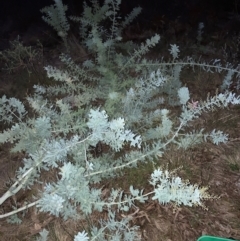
(17, 16)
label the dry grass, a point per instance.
(217, 167)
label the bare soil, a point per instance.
(217, 167)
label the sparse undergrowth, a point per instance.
(96, 139)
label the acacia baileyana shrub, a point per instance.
(101, 101)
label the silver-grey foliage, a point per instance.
(66, 122)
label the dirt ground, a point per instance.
(217, 167)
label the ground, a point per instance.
(216, 167)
